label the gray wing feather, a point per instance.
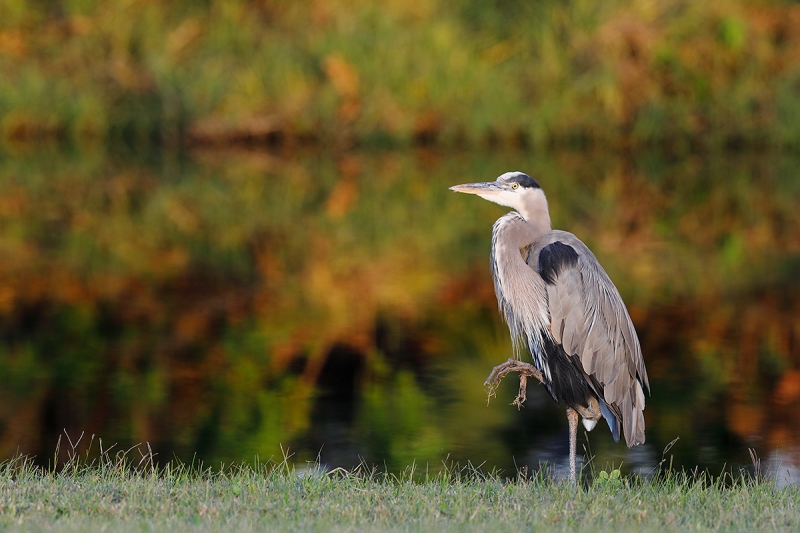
(589, 319)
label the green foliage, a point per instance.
(198, 299)
(679, 74)
(604, 478)
(733, 33)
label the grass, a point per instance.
(126, 491)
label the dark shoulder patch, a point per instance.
(524, 180)
(555, 257)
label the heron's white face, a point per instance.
(513, 189)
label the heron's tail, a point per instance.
(611, 418)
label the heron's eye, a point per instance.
(515, 186)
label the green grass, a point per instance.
(115, 492)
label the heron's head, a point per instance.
(513, 189)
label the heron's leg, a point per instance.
(512, 365)
(572, 416)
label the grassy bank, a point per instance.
(120, 496)
(619, 73)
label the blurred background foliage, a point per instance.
(225, 225)
(228, 303)
(674, 73)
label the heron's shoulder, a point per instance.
(561, 239)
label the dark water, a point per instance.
(230, 305)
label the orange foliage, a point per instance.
(788, 389)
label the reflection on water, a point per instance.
(220, 305)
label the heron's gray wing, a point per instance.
(590, 321)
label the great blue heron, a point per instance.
(560, 303)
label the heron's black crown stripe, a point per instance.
(555, 257)
(524, 180)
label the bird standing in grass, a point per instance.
(560, 304)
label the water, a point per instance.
(224, 306)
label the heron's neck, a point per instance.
(536, 220)
(521, 292)
(512, 231)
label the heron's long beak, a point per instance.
(488, 187)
